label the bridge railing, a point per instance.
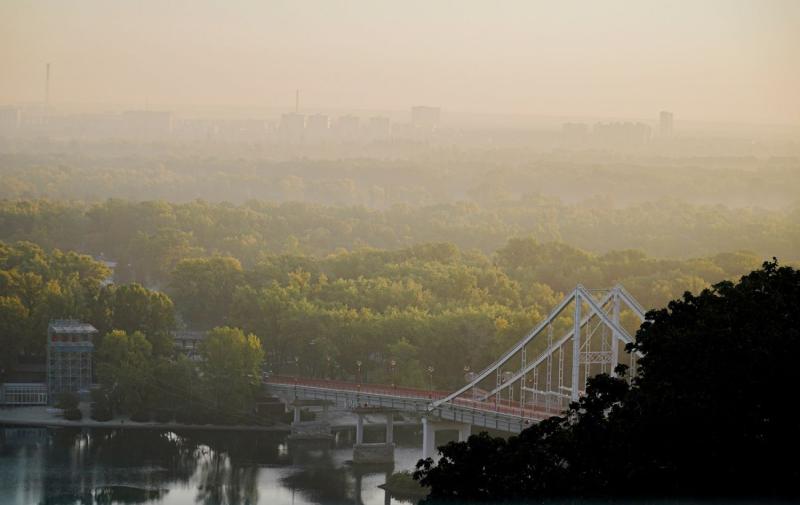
(533, 410)
(512, 408)
(380, 389)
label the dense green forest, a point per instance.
(37, 286)
(138, 380)
(137, 366)
(418, 175)
(319, 315)
(147, 239)
(435, 253)
(146, 205)
(421, 305)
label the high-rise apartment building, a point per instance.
(9, 120)
(665, 123)
(292, 127)
(380, 128)
(348, 128)
(426, 118)
(317, 127)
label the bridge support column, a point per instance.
(318, 429)
(429, 429)
(381, 453)
(428, 438)
(390, 428)
(359, 429)
(464, 432)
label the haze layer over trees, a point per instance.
(326, 262)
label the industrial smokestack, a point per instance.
(47, 86)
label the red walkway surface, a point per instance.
(513, 408)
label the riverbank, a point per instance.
(50, 417)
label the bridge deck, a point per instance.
(502, 415)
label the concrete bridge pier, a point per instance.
(389, 428)
(318, 429)
(374, 453)
(297, 407)
(429, 429)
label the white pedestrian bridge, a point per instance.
(537, 378)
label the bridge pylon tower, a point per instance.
(547, 373)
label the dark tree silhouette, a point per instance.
(709, 413)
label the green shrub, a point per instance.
(74, 414)
(67, 401)
(140, 416)
(184, 416)
(101, 411)
(194, 413)
(403, 484)
(164, 415)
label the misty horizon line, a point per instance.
(266, 112)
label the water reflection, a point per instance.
(103, 466)
(126, 494)
(323, 484)
(222, 482)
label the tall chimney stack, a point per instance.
(47, 87)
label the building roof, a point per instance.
(70, 326)
(189, 335)
(11, 386)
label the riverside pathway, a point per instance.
(52, 418)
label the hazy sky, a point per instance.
(708, 60)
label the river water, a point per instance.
(104, 466)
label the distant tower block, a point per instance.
(317, 127)
(665, 123)
(292, 127)
(426, 118)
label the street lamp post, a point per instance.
(314, 361)
(469, 376)
(328, 369)
(430, 378)
(393, 364)
(358, 364)
(506, 378)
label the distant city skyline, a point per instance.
(715, 60)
